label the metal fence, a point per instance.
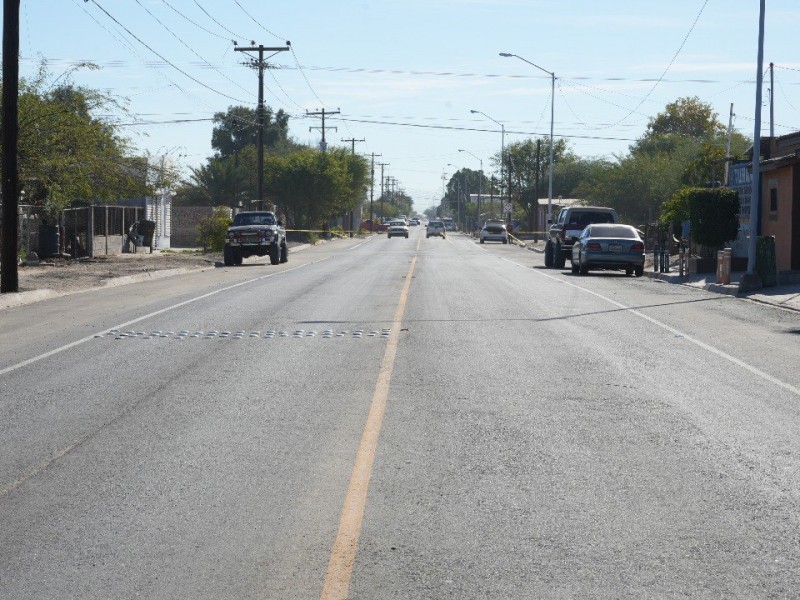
(98, 230)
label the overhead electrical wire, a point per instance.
(166, 60)
(208, 31)
(208, 14)
(475, 129)
(669, 66)
(188, 47)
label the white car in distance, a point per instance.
(397, 228)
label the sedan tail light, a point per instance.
(637, 247)
(593, 246)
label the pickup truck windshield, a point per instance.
(251, 219)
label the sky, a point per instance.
(404, 75)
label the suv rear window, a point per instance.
(587, 218)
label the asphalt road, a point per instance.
(418, 418)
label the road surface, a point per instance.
(404, 418)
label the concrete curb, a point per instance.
(23, 298)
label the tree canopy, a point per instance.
(67, 155)
(237, 129)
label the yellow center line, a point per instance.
(343, 554)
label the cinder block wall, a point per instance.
(185, 220)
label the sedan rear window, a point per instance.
(614, 231)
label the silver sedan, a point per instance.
(608, 246)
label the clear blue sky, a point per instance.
(406, 73)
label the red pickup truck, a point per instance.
(368, 225)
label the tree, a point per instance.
(683, 146)
(67, 155)
(312, 187)
(222, 181)
(237, 129)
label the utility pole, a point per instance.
(353, 143)
(322, 113)
(372, 190)
(352, 212)
(771, 102)
(9, 277)
(751, 280)
(728, 148)
(261, 64)
(381, 166)
(533, 222)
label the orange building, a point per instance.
(780, 199)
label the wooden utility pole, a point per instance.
(322, 113)
(381, 166)
(9, 277)
(260, 64)
(352, 212)
(372, 190)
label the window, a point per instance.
(773, 199)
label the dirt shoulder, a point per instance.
(64, 276)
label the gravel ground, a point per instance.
(64, 276)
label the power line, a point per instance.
(208, 14)
(671, 62)
(187, 46)
(480, 130)
(276, 36)
(170, 63)
(214, 33)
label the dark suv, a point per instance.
(258, 233)
(571, 221)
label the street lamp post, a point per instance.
(502, 156)
(552, 114)
(480, 183)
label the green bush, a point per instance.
(212, 229)
(714, 214)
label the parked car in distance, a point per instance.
(494, 231)
(370, 225)
(435, 228)
(568, 226)
(397, 228)
(608, 246)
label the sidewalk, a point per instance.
(786, 296)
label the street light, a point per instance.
(502, 155)
(480, 182)
(552, 113)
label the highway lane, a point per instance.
(544, 435)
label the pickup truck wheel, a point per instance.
(274, 254)
(548, 254)
(284, 252)
(559, 260)
(237, 257)
(227, 256)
